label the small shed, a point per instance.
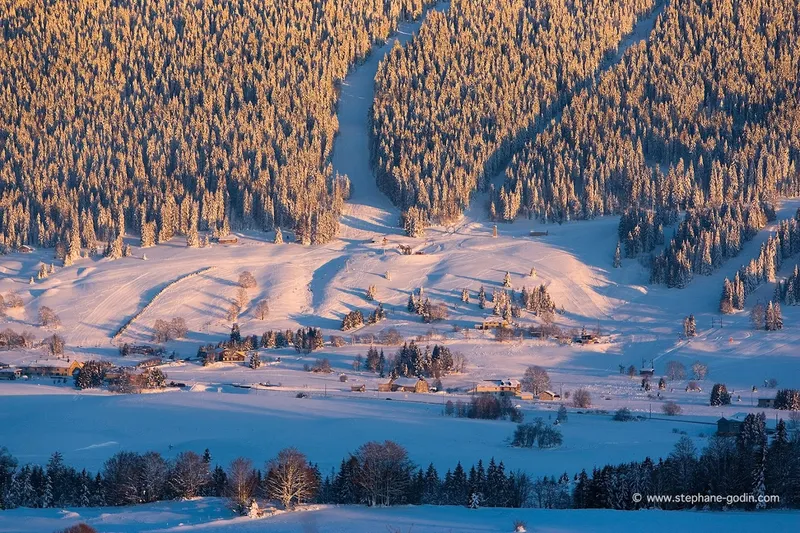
(228, 239)
(647, 372)
(385, 387)
(728, 428)
(548, 396)
(766, 402)
(358, 388)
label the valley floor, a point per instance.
(210, 516)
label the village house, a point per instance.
(499, 387)
(229, 355)
(410, 385)
(222, 355)
(405, 385)
(548, 396)
(10, 373)
(492, 323)
(50, 369)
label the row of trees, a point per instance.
(746, 465)
(453, 105)
(705, 239)
(701, 113)
(764, 267)
(381, 473)
(411, 360)
(176, 116)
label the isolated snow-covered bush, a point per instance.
(247, 280)
(536, 433)
(671, 409)
(581, 398)
(623, 414)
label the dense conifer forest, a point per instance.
(451, 108)
(704, 112)
(176, 116)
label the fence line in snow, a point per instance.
(169, 285)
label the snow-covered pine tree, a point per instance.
(617, 257)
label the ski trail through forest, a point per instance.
(478, 209)
(368, 211)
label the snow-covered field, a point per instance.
(210, 516)
(317, 286)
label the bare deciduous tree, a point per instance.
(153, 477)
(262, 310)
(581, 398)
(675, 370)
(535, 380)
(700, 370)
(241, 297)
(290, 479)
(241, 483)
(48, 318)
(757, 316)
(55, 345)
(384, 472)
(164, 331)
(188, 475)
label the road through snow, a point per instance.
(368, 211)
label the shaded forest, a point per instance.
(175, 116)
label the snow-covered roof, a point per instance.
(503, 382)
(406, 382)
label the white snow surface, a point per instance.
(210, 515)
